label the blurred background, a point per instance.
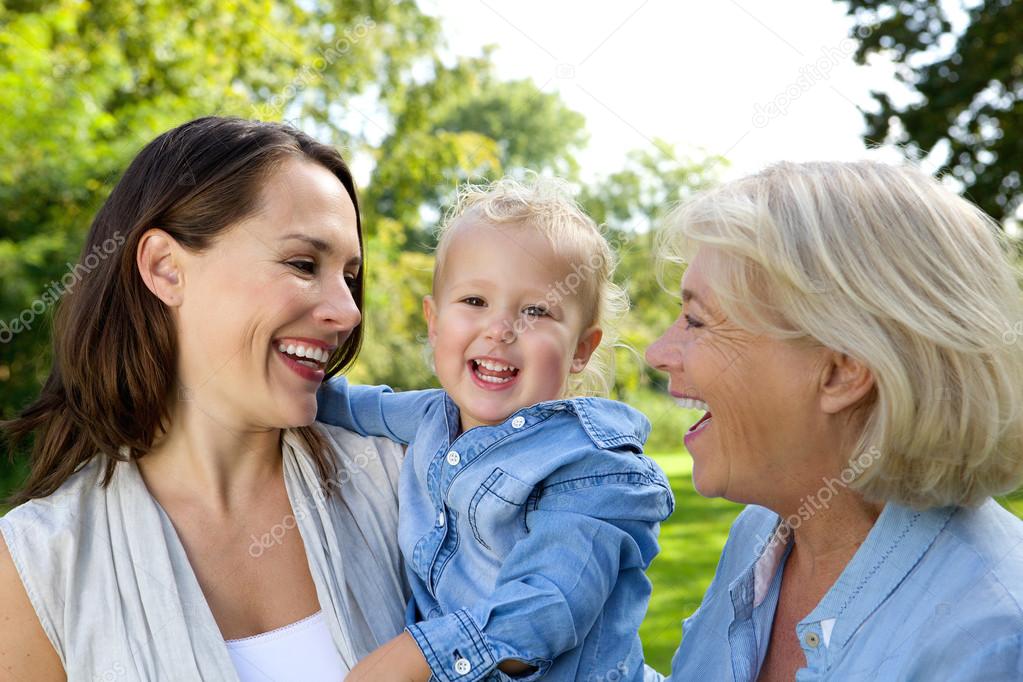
(638, 103)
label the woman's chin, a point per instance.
(299, 412)
(705, 483)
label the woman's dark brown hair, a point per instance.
(114, 343)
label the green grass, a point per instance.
(691, 542)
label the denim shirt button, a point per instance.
(454, 458)
(518, 422)
(812, 639)
(462, 666)
(441, 519)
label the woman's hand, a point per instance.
(400, 660)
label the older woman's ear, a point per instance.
(845, 383)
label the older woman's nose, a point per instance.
(660, 355)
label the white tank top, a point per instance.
(300, 651)
(117, 597)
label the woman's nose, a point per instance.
(338, 308)
(660, 355)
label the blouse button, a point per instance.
(441, 520)
(454, 458)
(462, 666)
(812, 639)
(518, 422)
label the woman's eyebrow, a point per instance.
(688, 295)
(317, 244)
(320, 245)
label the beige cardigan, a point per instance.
(116, 595)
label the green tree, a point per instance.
(964, 71)
(633, 203)
(464, 124)
(86, 85)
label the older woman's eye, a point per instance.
(306, 266)
(692, 323)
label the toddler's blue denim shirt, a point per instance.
(526, 540)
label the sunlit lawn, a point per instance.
(691, 542)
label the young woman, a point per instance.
(182, 519)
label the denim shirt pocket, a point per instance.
(497, 511)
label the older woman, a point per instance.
(844, 326)
(182, 521)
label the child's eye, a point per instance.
(306, 266)
(535, 311)
(474, 301)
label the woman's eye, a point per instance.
(474, 301)
(352, 281)
(535, 311)
(692, 323)
(306, 266)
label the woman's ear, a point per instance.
(845, 383)
(429, 312)
(588, 342)
(158, 259)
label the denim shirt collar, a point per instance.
(608, 423)
(894, 546)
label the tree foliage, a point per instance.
(964, 68)
(463, 124)
(632, 203)
(86, 85)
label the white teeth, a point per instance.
(494, 380)
(494, 366)
(692, 404)
(313, 356)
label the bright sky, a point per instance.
(755, 81)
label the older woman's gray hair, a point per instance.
(885, 265)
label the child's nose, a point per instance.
(501, 329)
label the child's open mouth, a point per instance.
(492, 373)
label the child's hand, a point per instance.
(400, 660)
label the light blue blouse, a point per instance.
(933, 595)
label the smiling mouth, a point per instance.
(703, 421)
(493, 372)
(307, 356)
